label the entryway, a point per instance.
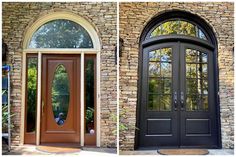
(177, 85)
(61, 80)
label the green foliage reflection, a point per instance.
(60, 94)
(31, 93)
(178, 27)
(61, 34)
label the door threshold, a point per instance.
(61, 144)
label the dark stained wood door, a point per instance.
(60, 99)
(177, 97)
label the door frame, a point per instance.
(39, 91)
(44, 18)
(212, 45)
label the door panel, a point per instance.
(177, 104)
(158, 117)
(61, 99)
(198, 110)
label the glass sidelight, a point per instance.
(31, 97)
(90, 99)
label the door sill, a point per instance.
(61, 144)
(177, 147)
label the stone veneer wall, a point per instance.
(133, 18)
(19, 16)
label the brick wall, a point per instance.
(133, 18)
(18, 16)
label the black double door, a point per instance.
(177, 98)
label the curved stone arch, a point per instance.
(62, 15)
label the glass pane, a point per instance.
(191, 55)
(154, 55)
(89, 95)
(205, 102)
(166, 54)
(60, 95)
(191, 70)
(61, 34)
(165, 69)
(31, 92)
(167, 86)
(192, 103)
(154, 85)
(154, 102)
(201, 35)
(191, 86)
(154, 69)
(187, 28)
(196, 80)
(165, 102)
(178, 27)
(202, 57)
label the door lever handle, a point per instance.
(182, 100)
(175, 101)
(42, 107)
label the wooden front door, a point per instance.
(177, 103)
(60, 99)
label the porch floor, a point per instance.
(86, 151)
(154, 152)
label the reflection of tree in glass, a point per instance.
(89, 99)
(178, 27)
(196, 74)
(160, 82)
(61, 34)
(60, 92)
(31, 93)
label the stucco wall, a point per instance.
(133, 18)
(19, 16)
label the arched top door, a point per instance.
(61, 30)
(177, 83)
(178, 26)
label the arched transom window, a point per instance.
(61, 33)
(177, 26)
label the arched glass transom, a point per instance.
(177, 26)
(61, 33)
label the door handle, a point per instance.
(42, 107)
(175, 101)
(182, 100)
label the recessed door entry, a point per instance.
(60, 99)
(178, 105)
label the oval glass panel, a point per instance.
(60, 95)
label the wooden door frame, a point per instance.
(81, 52)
